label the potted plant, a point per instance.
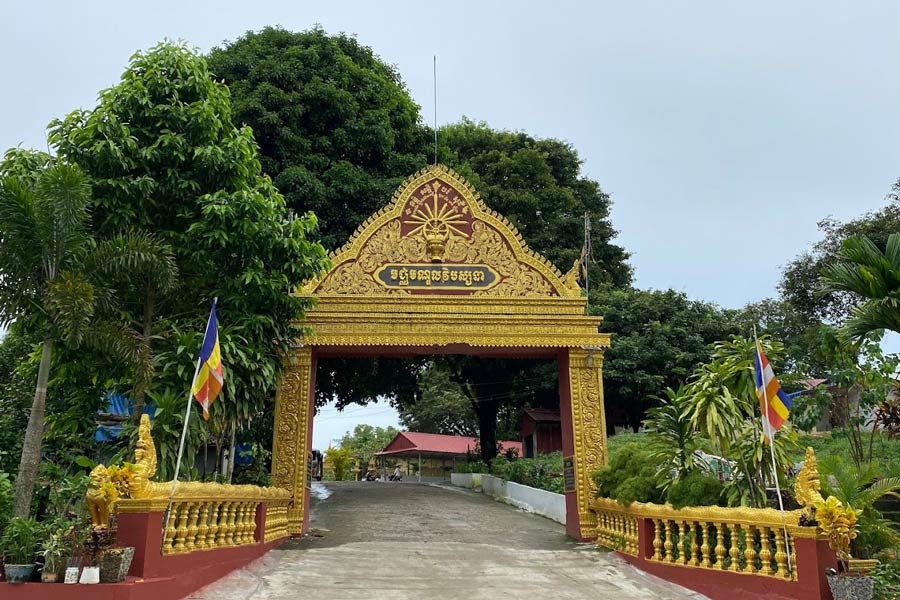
(52, 549)
(839, 523)
(19, 544)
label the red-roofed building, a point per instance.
(541, 431)
(432, 455)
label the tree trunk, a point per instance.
(487, 430)
(31, 447)
(149, 307)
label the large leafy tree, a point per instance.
(336, 127)
(165, 156)
(659, 337)
(537, 184)
(441, 408)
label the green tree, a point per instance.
(47, 259)
(365, 441)
(867, 272)
(165, 157)
(799, 285)
(659, 337)
(722, 407)
(336, 127)
(442, 407)
(537, 184)
(340, 462)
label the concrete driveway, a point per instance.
(406, 540)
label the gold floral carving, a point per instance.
(291, 424)
(589, 429)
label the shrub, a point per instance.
(20, 540)
(630, 476)
(7, 498)
(476, 466)
(695, 489)
(500, 467)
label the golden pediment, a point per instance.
(437, 237)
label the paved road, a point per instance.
(406, 540)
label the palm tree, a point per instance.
(862, 269)
(47, 259)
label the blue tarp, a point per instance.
(117, 404)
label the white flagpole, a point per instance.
(187, 416)
(769, 432)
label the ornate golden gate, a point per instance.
(436, 271)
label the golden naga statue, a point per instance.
(570, 279)
(130, 481)
(808, 484)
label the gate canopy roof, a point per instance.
(437, 268)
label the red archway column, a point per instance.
(584, 434)
(292, 443)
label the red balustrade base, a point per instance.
(813, 558)
(195, 571)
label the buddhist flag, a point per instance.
(774, 403)
(208, 381)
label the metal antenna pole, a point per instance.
(434, 74)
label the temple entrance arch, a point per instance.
(436, 271)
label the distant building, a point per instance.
(431, 455)
(541, 432)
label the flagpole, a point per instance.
(771, 435)
(187, 416)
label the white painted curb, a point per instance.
(533, 500)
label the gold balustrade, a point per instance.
(205, 516)
(739, 540)
(617, 529)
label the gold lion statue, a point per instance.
(101, 495)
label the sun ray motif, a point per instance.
(431, 218)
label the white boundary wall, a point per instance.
(541, 502)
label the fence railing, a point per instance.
(740, 540)
(205, 516)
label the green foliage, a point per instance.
(7, 499)
(258, 473)
(885, 450)
(695, 489)
(340, 462)
(886, 577)
(544, 471)
(862, 269)
(799, 285)
(660, 337)
(630, 476)
(442, 407)
(474, 466)
(860, 487)
(673, 440)
(166, 158)
(336, 127)
(365, 441)
(20, 540)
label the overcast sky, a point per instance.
(723, 131)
